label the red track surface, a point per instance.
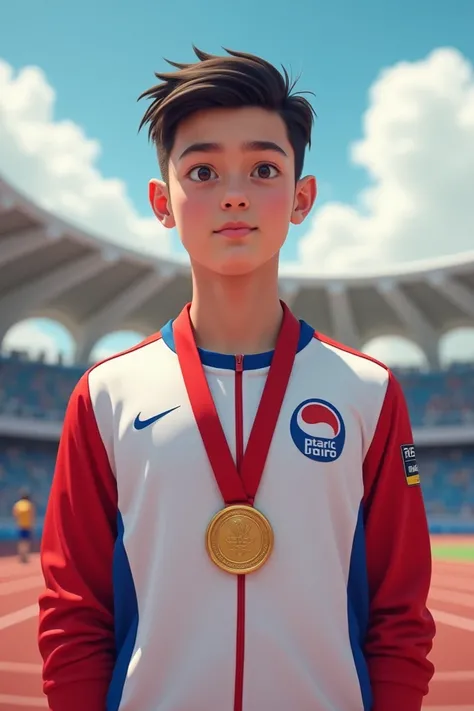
(452, 604)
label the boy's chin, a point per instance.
(232, 263)
(236, 266)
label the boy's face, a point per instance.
(231, 166)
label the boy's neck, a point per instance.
(236, 315)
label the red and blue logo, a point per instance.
(318, 430)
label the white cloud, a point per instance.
(55, 162)
(417, 148)
(418, 151)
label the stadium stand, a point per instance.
(440, 398)
(92, 286)
(37, 392)
(41, 390)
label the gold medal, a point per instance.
(239, 539)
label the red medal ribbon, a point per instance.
(236, 487)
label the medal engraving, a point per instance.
(239, 539)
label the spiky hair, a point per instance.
(232, 81)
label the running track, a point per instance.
(451, 602)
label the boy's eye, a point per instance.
(264, 171)
(201, 174)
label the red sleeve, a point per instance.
(76, 623)
(401, 629)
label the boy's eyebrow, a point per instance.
(249, 146)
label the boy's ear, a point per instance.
(158, 194)
(305, 196)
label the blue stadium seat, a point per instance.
(38, 390)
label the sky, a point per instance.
(393, 144)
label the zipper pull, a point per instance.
(239, 363)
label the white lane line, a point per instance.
(14, 618)
(11, 574)
(30, 701)
(447, 575)
(454, 676)
(447, 618)
(463, 569)
(452, 596)
(14, 586)
(20, 668)
(15, 570)
(461, 584)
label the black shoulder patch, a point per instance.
(410, 465)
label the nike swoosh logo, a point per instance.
(141, 424)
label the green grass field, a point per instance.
(462, 550)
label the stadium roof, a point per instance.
(49, 268)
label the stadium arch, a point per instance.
(106, 345)
(380, 348)
(457, 346)
(93, 287)
(51, 267)
(47, 339)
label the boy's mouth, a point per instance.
(235, 229)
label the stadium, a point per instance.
(50, 269)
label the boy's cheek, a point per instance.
(277, 203)
(193, 214)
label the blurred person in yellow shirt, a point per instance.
(24, 514)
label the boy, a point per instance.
(24, 513)
(233, 532)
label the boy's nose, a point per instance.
(233, 200)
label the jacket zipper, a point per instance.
(239, 453)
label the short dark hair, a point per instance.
(24, 493)
(233, 81)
